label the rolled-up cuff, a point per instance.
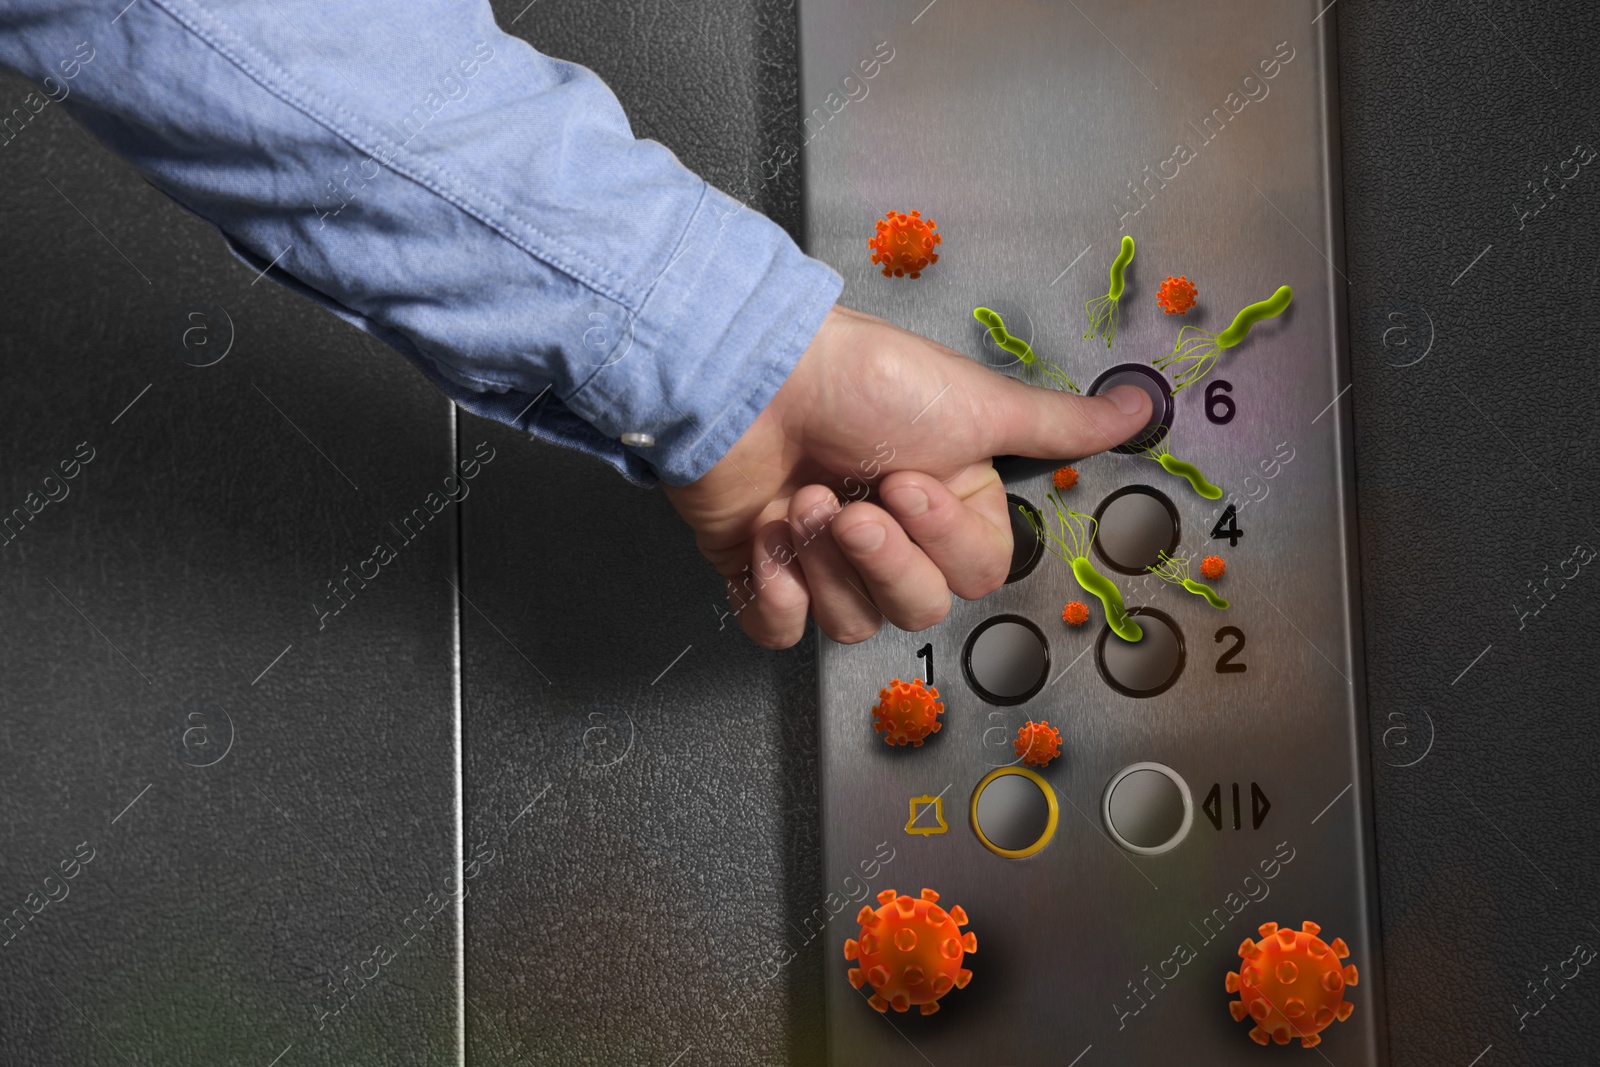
(713, 341)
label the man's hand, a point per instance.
(871, 408)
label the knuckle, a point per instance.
(772, 638)
(943, 522)
(855, 632)
(775, 642)
(994, 576)
(928, 617)
(988, 577)
(807, 521)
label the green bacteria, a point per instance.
(1196, 351)
(1071, 542)
(1036, 370)
(1102, 310)
(1188, 471)
(1176, 571)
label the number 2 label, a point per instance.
(1225, 664)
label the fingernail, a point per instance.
(908, 500)
(863, 538)
(780, 550)
(1128, 398)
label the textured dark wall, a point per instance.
(1477, 471)
(253, 831)
(653, 835)
(649, 898)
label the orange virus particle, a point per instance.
(907, 712)
(1291, 984)
(1037, 743)
(904, 244)
(1176, 295)
(910, 951)
(1065, 477)
(1212, 567)
(1076, 613)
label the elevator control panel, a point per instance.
(1127, 817)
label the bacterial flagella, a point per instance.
(1103, 310)
(1071, 543)
(1176, 572)
(1036, 370)
(1197, 350)
(1160, 454)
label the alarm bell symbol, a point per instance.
(920, 805)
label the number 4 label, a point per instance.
(1228, 526)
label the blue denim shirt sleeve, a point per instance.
(483, 208)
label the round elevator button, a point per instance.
(1147, 808)
(1145, 667)
(1151, 381)
(1006, 659)
(1014, 812)
(1136, 524)
(1026, 548)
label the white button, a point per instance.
(1147, 808)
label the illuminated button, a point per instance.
(1136, 524)
(1006, 659)
(1145, 667)
(1014, 812)
(1026, 548)
(1155, 386)
(1147, 808)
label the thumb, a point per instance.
(1026, 420)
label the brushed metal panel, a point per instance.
(1022, 127)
